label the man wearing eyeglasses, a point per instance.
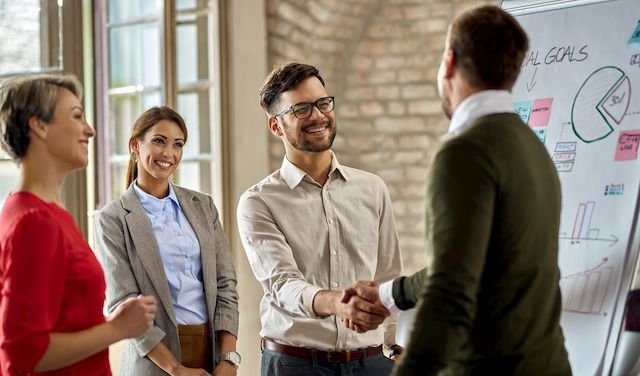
(311, 228)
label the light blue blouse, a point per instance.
(180, 252)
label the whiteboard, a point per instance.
(579, 91)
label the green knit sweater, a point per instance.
(489, 301)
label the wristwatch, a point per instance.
(232, 357)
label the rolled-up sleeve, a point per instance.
(33, 271)
(272, 259)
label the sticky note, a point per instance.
(541, 133)
(540, 112)
(523, 109)
(635, 37)
(627, 146)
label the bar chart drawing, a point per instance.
(582, 230)
(586, 292)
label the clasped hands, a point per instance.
(360, 308)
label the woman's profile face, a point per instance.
(160, 151)
(67, 135)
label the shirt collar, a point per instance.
(293, 175)
(153, 204)
(480, 104)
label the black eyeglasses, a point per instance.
(303, 110)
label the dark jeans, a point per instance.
(278, 364)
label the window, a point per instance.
(158, 52)
(23, 23)
(35, 34)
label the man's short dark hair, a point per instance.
(489, 47)
(284, 78)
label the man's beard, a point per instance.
(446, 107)
(306, 145)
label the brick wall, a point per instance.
(380, 59)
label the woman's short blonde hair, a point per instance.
(27, 96)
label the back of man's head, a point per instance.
(489, 47)
(284, 78)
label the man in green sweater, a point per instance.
(489, 301)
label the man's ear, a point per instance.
(449, 63)
(37, 126)
(274, 126)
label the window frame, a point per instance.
(168, 19)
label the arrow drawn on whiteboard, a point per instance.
(533, 83)
(576, 240)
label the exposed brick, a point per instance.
(287, 49)
(412, 75)
(441, 9)
(416, 12)
(431, 26)
(370, 47)
(360, 93)
(348, 110)
(387, 92)
(417, 173)
(373, 77)
(354, 125)
(362, 63)
(396, 108)
(380, 59)
(387, 62)
(279, 28)
(402, 157)
(319, 12)
(413, 190)
(391, 175)
(417, 91)
(388, 30)
(371, 109)
(391, 13)
(427, 107)
(415, 141)
(399, 124)
(405, 46)
(328, 45)
(295, 16)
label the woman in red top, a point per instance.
(52, 288)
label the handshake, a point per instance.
(360, 308)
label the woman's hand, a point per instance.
(225, 368)
(134, 316)
(185, 371)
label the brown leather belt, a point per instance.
(327, 356)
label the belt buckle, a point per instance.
(332, 354)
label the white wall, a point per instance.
(248, 154)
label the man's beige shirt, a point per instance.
(301, 237)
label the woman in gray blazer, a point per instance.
(163, 240)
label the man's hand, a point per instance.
(366, 291)
(362, 313)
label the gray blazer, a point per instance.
(129, 254)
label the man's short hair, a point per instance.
(284, 78)
(489, 46)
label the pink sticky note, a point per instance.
(540, 111)
(627, 147)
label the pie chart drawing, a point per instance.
(601, 102)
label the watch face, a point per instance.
(233, 357)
